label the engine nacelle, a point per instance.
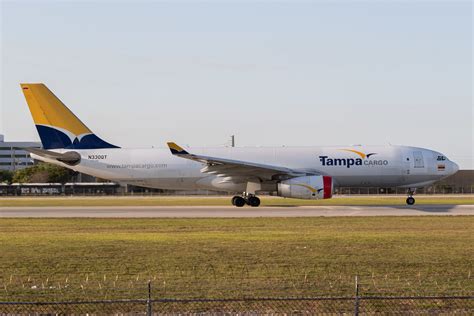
(308, 187)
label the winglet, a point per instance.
(176, 150)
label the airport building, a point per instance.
(13, 156)
(460, 182)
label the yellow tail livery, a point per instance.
(57, 126)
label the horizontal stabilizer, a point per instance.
(70, 158)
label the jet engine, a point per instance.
(308, 187)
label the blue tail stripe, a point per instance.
(91, 141)
(52, 138)
(177, 152)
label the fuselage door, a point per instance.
(419, 162)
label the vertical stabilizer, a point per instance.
(57, 126)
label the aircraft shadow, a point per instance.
(429, 208)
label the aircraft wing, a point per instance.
(237, 170)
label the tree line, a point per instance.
(38, 173)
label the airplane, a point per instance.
(292, 172)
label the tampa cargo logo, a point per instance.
(349, 162)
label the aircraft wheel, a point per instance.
(233, 199)
(238, 201)
(253, 201)
(410, 200)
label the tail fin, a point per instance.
(57, 126)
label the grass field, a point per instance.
(219, 201)
(45, 259)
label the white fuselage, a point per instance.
(356, 166)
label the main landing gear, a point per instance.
(410, 198)
(251, 200)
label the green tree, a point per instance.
(42, 172)
(6, 176)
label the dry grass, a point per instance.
(44, 259)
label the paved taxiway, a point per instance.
(230, 211)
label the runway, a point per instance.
(234, 212)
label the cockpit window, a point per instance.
(441, 158)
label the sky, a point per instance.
(140, 74)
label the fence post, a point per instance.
(356, 303)
(148, 301)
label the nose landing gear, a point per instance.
(410, 198)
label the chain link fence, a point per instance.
(113, 307)
(356, 305)
(446, 305)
